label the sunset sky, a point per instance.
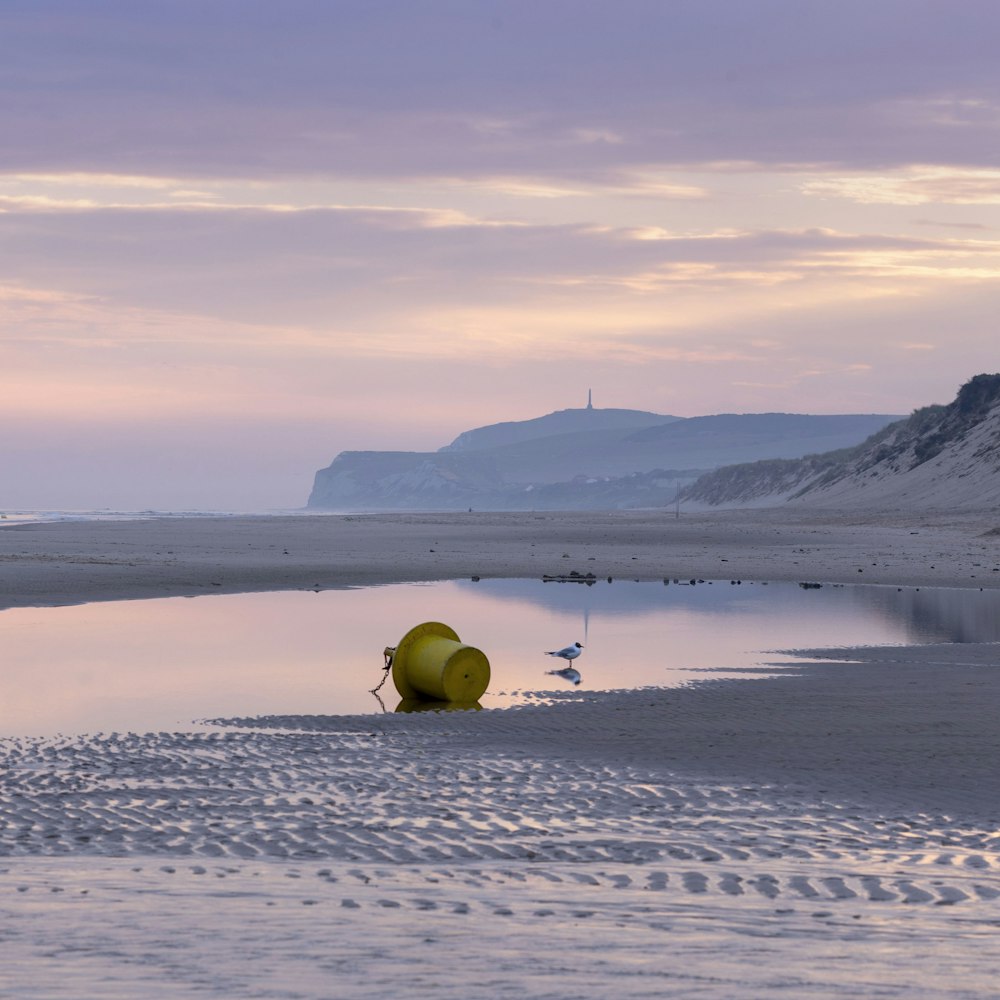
(240, 236)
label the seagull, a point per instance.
(569, 673)
(568, 653)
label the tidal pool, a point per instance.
(162, 664)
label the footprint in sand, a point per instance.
(802, 885)
(695, 882)
(877, 893)
(766, 885)
(838, 889)
(913, 894)
(657, 881)
(730, 884)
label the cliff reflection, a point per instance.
(941, 615)
(913, 615)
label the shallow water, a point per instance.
(160, 664)
(10, 518)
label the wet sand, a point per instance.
(72, 562)
(833, 832)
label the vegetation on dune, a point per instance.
(894, 450)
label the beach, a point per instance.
(75, 561)
(833, 831)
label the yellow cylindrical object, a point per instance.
(431, 662)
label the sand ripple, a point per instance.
(482, 855)
(398, 800)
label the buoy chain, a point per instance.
(389, 652)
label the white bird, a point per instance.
(568, 653)
(569, 673)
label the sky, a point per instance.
(238, 237)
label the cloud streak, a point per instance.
(239, 215)
(235, 89)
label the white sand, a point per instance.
(834, 833)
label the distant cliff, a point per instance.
(391, 480)
(575, 459)
(940, 456)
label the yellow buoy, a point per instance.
(431, 662)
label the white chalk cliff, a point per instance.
(576, 460)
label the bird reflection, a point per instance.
(567, 673)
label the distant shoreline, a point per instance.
(74, 561)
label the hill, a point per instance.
(607, 464)
(585, 419)
(939, 457)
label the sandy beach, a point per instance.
(72, 562)
(830, 832)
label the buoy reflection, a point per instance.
(416, 705)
